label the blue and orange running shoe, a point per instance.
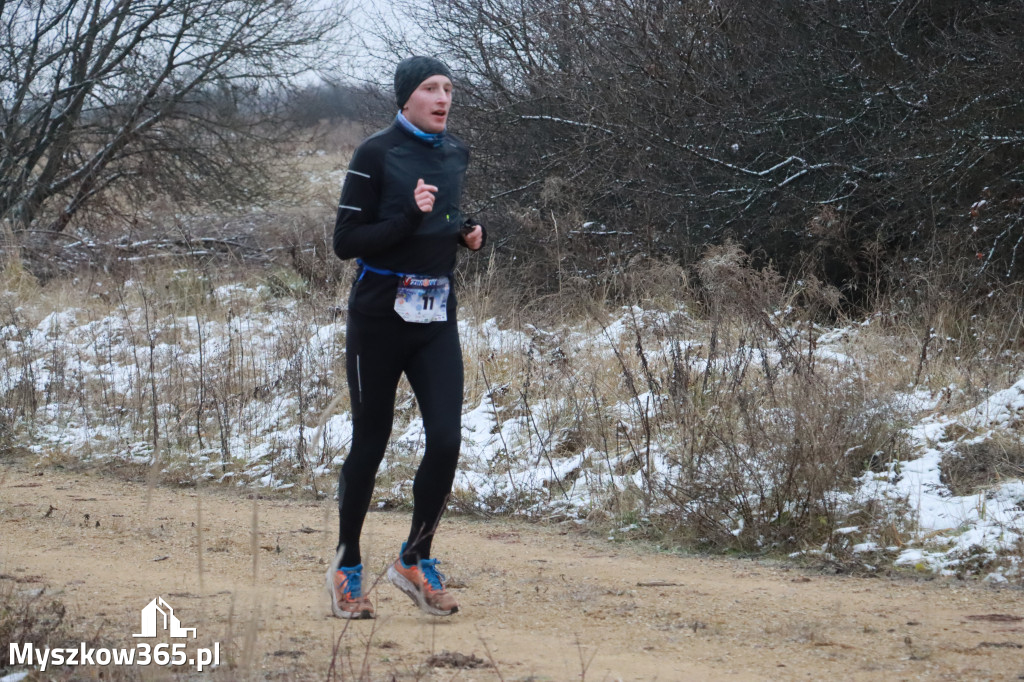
(345, 586)
(424, 584)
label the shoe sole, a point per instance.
(336, 610)
(402, 583)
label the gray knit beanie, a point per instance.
(412, 71)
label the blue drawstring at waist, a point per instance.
(381, 271)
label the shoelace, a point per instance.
(434, 577)
(353, 580)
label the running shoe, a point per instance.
(424, 584)
(345, 586)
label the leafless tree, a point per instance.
(161, 96)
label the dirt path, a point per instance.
(536, 601)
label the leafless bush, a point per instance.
(194, 385)
(826, 138)
(773, 457)
(31, 614)
(762, 436)
(726, 426)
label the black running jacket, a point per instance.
(378, 220)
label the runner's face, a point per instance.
(428, 105)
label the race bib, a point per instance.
(422, 299)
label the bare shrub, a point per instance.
(768, 435)
(828, 139)
(31, 614)
(175, 370)
(728, 428)
(774, 455)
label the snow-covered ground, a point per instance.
(951, 528)
(257, 397)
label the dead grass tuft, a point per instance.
(31, 614)
(971, 468)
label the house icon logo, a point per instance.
(158, 611)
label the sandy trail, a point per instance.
(541, 603)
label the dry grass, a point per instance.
(731, 417)
(726, 414)
(29, 614)
(183, 383)
(971, 468)
(708, 414)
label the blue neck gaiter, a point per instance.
(433, 139)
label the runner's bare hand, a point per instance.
(474, 238)
(423, 195)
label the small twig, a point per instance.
(928, 336)
(490, 656)
(501, 435)
(657, 583)
(584, 664)
(540, 442)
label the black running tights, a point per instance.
(378, 350)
